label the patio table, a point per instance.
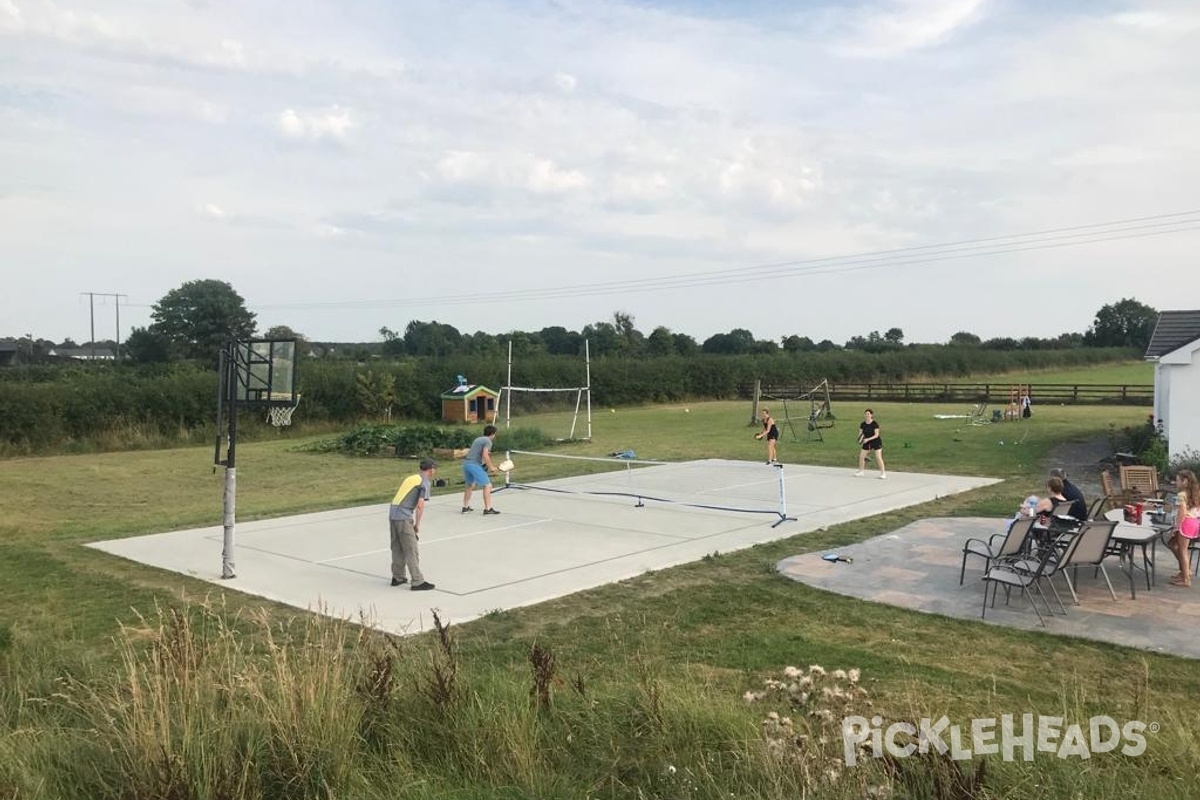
(1129, 536)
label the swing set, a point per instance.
(819, 411)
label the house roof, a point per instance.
(469, 390)
(1173, 330)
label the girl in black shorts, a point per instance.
(771, 433)
(870, 439)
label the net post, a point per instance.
(629, 483)
(783, 517)
(507, 475)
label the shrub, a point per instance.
(1188, 459)
(420, 440)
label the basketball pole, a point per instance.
(230, 497)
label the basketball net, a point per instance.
(279, 416)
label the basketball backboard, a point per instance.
(265, 371)
(253, 373)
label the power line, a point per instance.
(1072, 236)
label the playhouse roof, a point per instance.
(468, 390)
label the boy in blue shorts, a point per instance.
(476, 469)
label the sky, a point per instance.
(822, 169)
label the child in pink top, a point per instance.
(1187, 524)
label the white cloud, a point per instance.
(1106, 156)
(546, 177)
(331, 123)
(214, 211)
(900, 26)
(168, 102)
(462, 167)
(1142, 19)
(565, 83)
(327, 231)
(645, 189)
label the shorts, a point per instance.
(475, 475)
(874, 444)
(1189, 527)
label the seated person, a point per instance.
(1045, 506)
(1079, 508)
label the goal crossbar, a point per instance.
(582, 394)
(536, 389)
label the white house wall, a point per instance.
(1176, 387)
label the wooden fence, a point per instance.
(995, 393)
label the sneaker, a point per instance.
(423, 586)
(490, 511)
(883, 476)
(467, 509)
(858, 474)
(399, 581)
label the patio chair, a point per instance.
(1061, 554)
(1140, 479)
(1113, 497)
(1092, 548)
(1025, 574)
(1098, 507)
(1062, 508)
(998, 545)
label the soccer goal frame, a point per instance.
(583, 395)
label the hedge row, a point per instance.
(43, 408)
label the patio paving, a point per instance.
(917, 566)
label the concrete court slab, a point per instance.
(547, 541)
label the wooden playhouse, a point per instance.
(470, 403)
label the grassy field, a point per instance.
(121, 681)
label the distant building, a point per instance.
(84, 353)
(8, 353)
(1175, 350)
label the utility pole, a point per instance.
(92, 306)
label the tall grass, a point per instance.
(207, 704)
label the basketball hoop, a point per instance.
(280, 416)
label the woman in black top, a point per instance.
(870, 439)
(771, 433)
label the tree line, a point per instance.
(194, 320)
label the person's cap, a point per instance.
(428, 463)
